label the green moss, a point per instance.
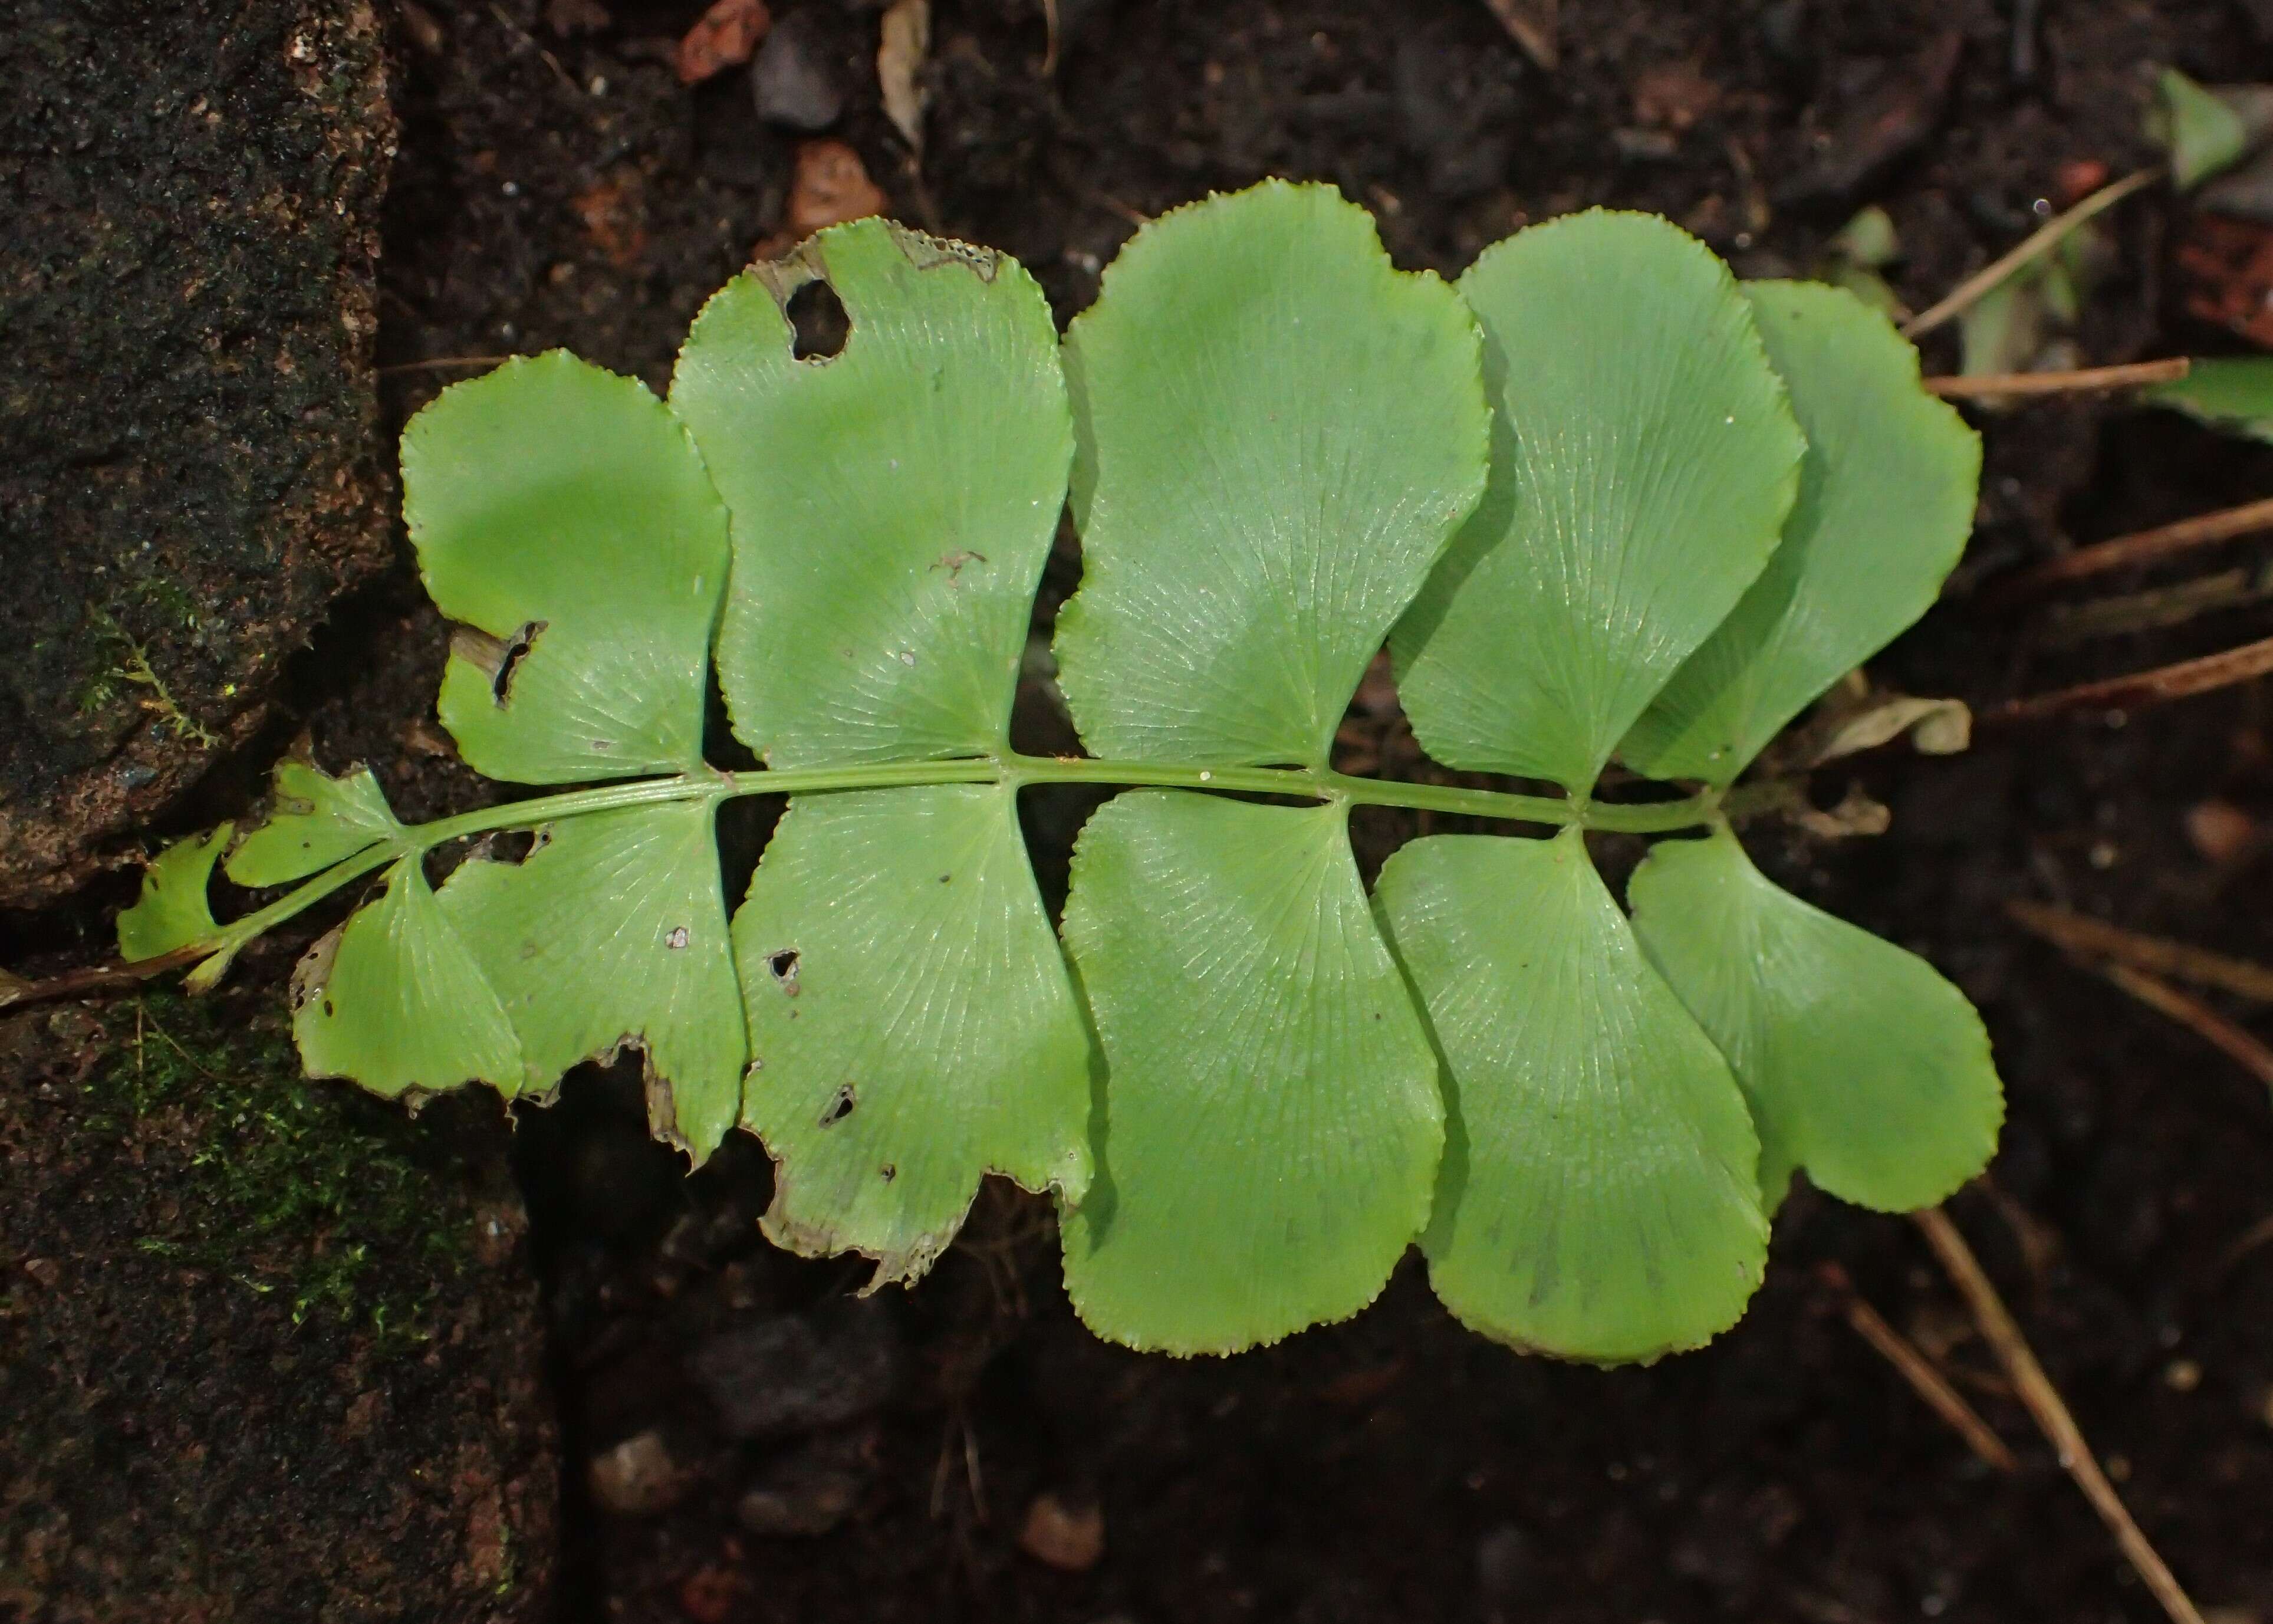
(291, 1185)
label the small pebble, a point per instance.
(636, 1478)
(795, 81)
(1067, 1537)
(2220, 831)
(779, 1375)
(807, 1494)
(1504, 1561)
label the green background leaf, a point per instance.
(314, 820)
(911, 1025)
(614, 929)
(1271, 1122)
(2203, 135)
(1597, 1196)
(551, 490)
(1862, 1063)
(1277, 434)
(1643, 460)
(893, 504)
(1887, 492)
(393, 1000)
(2233, 392)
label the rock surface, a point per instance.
(269, 1350)
(189, 468)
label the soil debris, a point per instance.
(728, 33)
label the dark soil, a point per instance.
(557, 185)
(268, 1349)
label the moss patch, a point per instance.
(273, 1156)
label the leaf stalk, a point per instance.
(1015, 770)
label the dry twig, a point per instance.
(2141, 688)
(2095, 938)
(442, 361)
(2045, 1403)
(1925, 1377)
(2197, 1017)
(2080, 382)
(16, 994)
(2038, 243)
(2139, 547)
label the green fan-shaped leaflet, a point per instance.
(612, 930)
(1272, 1121)
(314, 820)
(893, 504)
(560, 510)
(1861, 1065)
(174, 910)
(1277, 434)
(393, 999)
(1276, 442)
(563, 511)
(1643, 460)
(1597, 1198)
(892, 508)
(910, 1021)
(1886, 502)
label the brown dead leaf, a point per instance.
(1935, 726)
(906, 40)
(1065, 1538)
(1674, 96)
(609, 209)
(1857, 813)
(831, 187)
(726, 37)
(2225, 272)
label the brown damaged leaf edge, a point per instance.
(496, 657)
(808, 261)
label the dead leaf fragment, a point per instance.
(1857, 813)
(1530, 24)
(726, 37)
(1935, 726)
(906, 40)
(831, 187)
(1062, 1536)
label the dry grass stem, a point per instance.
(2052, 1415)
(1925, 1377)
(2142, 688)
(2038, 243)
(2139, 547)
(2096, 938)
(2083, 382)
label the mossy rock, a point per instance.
(192, 473)
(269, 1350)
